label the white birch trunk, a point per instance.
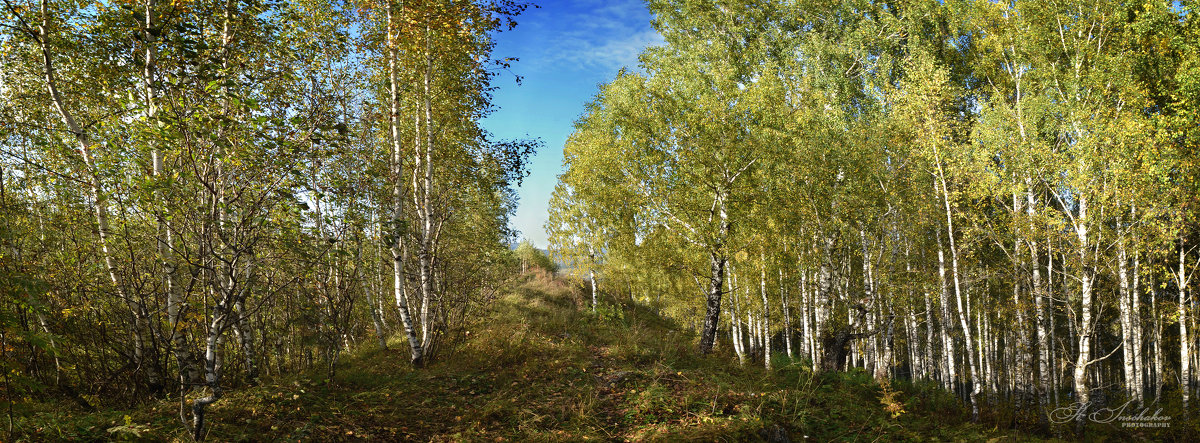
(766, 312)
(83, 144)
(398, 251)
(189, 373)
(1125, 295)
(245, 338)
(212, 370)
(870, 360)
(822, 302)
(376, 318)
(949, 375)
(930, 359)
(1185, 354)
(717, 262)
(592, 279)
(365, 277)
(425, 212)
(787, 315)
(1056, 371)
(751, 331)
(735, 337)
(736, 317)
(963, 315)
(917, 363)
(1158, 350)
(1023, 371)
(1139, 383)
(807, 343)
(1045, 370)
(1082, 391)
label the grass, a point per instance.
(542, 367)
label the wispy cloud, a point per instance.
(614, 53)
(597, 35)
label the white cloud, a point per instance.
(615, 53)
(599, 35)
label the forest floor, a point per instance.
(541, 367)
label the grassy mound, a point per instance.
(542, 367)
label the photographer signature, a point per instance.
(1106, 415)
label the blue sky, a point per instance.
(566, 49)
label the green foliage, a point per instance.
(531, 256)
(183, 182)
(611, 314)
(128, 430)
(994, 163)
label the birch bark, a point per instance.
(787, 315)
(766, 312)
(398, 249)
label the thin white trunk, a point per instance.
(988, 351)
(189, 375)
(245, 338)
(1139, 382)
(853, 360)
(917, 364)
(376, 318)
(212, 369)
(806, 319)
(739, 343)
(886, 358)
(1056, 371)
(969, 347)
(735, 337)
(1185, 354)
(592, 279)
(762, 334)
(364, 279)
(1158, 350)
(425, 252)
(963, 314)
(822, 303)
(787, 315)
(717, 262)
(766, 311)
(870, 353)
(416, 348)
(1041, 309)
(1125, 306)
(83, 145)
(930, 358)
(751, 331)
(813, 336)
(1082, 391)
(54, 353)
(949, 376)
(1023, 370)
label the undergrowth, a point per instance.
(543, 367)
